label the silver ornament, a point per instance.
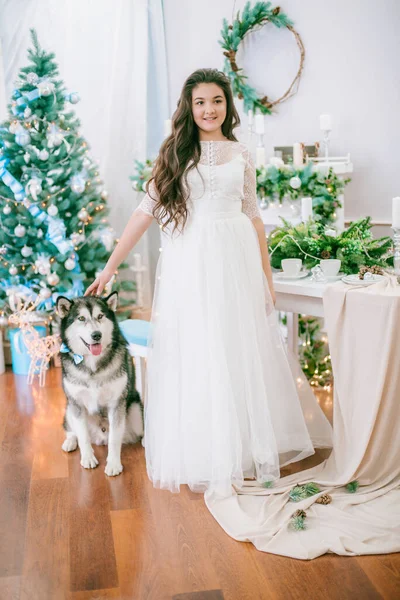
(52, 210)
(22, 138)
(13, 270)
(70, 264)
(27, 157)
(27, 112)
(104, 194)
(45, 88)
(20, 231)
(45, 293)
(295, 182)
(40, 233)
(74, 98)
(7, 209)
(43, 154)
(53, 279)
(83, 214)
(3, 250)
(26, 251)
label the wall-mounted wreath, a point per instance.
(253, 19)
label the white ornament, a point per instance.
(83, 214)
(295, 182)
(27, 157)
(3, 250)
(27, 112)
(7, 209)
(13, 270)
(52, 210)
(45, 293)
(104, 194)
(53, 279)
(14, 127)
(69, 264)
(42, 264)
(74, 98)
(77, 184)
(22, 138)
(86, 162)
(26, 251)
(43, 154)
(32, 78)
(40, 233)
(54, 137)
(20, 231)
(45, 88)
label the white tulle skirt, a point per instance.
(222, 401)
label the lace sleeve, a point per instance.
(249, 203)
(147, 204)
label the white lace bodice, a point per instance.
(225, 182)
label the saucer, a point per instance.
(335, 277)
(300, 275)
(354, 280)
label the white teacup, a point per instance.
(291, 266)
(330, 266)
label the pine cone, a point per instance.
(324, 499)
(325, 254)
(276, 11)
(240, 96)
(299, 513)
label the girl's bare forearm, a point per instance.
(137, 225)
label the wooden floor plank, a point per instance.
(92, 557)
(46, 562)
(10, 588)
(125, 539)
(383, 571)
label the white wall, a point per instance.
(351, 71)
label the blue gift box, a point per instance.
(20, 356)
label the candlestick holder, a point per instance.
(396, 250)
(325, 143)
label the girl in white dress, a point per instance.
(221, 402)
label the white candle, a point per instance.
(306, 209)
(250, 116)
(260, 156)
(297, 155)
(325, 122)
(259, 122)
(396, 212)
(167, 127)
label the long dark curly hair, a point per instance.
(170, 170)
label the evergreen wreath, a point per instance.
(252, 19)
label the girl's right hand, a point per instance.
(99, 283)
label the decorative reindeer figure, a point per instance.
(40, 349)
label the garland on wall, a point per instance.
(279, 181)
(252, 19)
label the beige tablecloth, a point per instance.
(363, 326)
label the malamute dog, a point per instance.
(98, 378)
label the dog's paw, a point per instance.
(89, 461)
(113, 468)
(70, 444)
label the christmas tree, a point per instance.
(54, 234)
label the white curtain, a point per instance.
(112, 54)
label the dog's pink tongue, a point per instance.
(95, 349)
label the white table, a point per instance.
(301, 296)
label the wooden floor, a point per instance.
(67, 533)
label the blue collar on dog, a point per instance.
(78, 358)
